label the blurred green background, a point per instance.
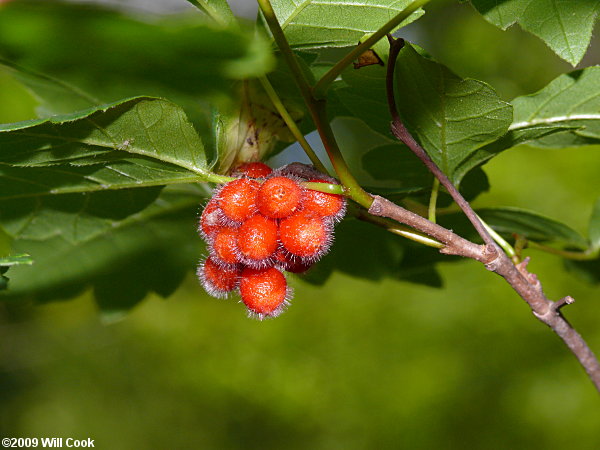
(353, 364)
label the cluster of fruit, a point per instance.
(264, 223)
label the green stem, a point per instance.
(433, 200)
(508, 249)
(317, 110)
(400, 230)
(291, 124)
(326, 80)
(587, 255)
(286, 50)
(325, 187)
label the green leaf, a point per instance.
(531, 225)
(54, 96)
(450, 116)
(133, 143)
(565, 26)
(105, 240)
(570, 103)
(565, 113)
(111, 55)
(218, 10)
(594, 228)
(331, 23)
(15, 260)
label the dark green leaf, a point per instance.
(329, 23)
(112, 55)
(450, 116)
(588, 271)
(95, 240)
(565, 26)
(53, 96)
(531, 225)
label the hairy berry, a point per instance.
(210, 220)
(224, 247)
(324, 204)
(216, 280)
(289, 263)
(264, 292)
(306, 235)
(278, 197)
(257, 241)
(253, 170)
(237, 199)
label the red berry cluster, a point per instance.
(262, 224)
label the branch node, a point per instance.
(568, 300)
(530, 277)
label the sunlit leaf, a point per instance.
(564, 25)
(331, 23)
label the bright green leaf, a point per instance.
(15, 260)
(331, 23)
(566, 113)
(218, 10)
(133, 143)
(571, 102)
(564, 25)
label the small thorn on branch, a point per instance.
(568, 300)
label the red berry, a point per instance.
(289, 263)
(278, 197)
(216, 280)
(264, 292)
(324, 204)
(253, 170)
(306, 235)
(210, 220)
(224, 248)
(257, 241)
(237, 199)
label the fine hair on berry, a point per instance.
(216, 280)
(279, 197)
(264, 292)
(323, 203)
(224, 246)
(211, 220)
(306, 236)
(257, 241)
(237, 199)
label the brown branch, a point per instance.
(400, 131)
(491, 255)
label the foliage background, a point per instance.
(353, 364)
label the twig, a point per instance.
(400, 131)
(521, 280)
